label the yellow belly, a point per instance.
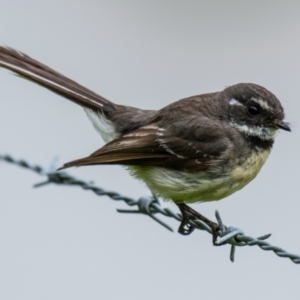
(186, 187)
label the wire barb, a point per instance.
(144, 207)
(150, 206)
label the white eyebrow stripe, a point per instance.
(22, 70)
(233, 101)
(262, 103)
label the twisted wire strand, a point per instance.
(151, 207)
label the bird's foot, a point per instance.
(189, 214)
(185, 228)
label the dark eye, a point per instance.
(253, 110)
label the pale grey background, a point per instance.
(65, 243)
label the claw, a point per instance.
(188, 214)
(185, 228)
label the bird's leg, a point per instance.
(190, 214)
(185, 228)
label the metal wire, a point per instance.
(150, 206)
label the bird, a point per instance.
(197, 149)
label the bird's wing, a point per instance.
(189, 144)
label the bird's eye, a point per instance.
(253, 110)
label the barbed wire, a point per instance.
(150, 206)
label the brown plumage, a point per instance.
(200, 148)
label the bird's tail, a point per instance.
(33, 70)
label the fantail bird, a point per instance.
(197, 149)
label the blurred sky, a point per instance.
(65, 243)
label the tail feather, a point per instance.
(30, 69)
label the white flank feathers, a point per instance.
(102, 125)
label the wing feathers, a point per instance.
(149, 147)
(130, 159)
(137, 148)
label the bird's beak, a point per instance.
(284, 126)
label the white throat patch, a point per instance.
(263, 133)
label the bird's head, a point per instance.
(254, 111)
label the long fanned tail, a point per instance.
(33, 70)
